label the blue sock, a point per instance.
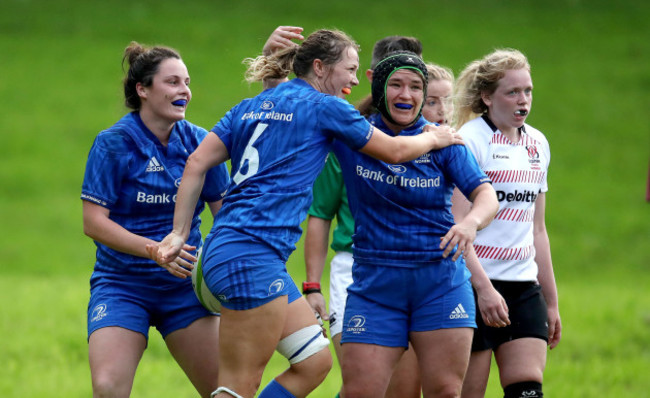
(275, 390)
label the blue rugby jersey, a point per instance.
(134, 176)
(401, 211)
(278, 142)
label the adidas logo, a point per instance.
(458, 313)
(154, 165)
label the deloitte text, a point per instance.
(516, 196)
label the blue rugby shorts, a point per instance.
(386, 303)
(138, 301)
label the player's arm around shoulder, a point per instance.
(400, 149)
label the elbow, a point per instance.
(195, 165)
(90, 227)
(494, 203)
(397, 155)
(191, 161)
(89, 231)
(489, 204)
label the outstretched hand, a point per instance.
(172, 253)
(281, 38)
(444, 136)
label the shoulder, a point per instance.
(536, 135)
(305, 92)
(190, 130)
(476, 129)
(477, 135)
(119, 137)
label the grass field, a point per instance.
(61, 84)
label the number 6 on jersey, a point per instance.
(250, 154)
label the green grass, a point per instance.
(61, 85)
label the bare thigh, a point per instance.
(303, 377)
(443, 356)
(478, 373)
(114, 354)
(521, 360)
(367, 369)
(247, 341)
(196, 349)
(405, 381)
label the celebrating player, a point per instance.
(410, 281)
(132, 174)
(277, 143)
(330, 200)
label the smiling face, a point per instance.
(404, 97)
(510, 103)
(341, 75)
(167, 97)
(438, 106)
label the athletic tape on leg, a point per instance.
(226, 390)
(302, 344)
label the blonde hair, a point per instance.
(326, 45)
(437, 72)
(482, 76)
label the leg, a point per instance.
(405, 381)
(247, 339)
(369, 373)
(340, 279)
(114, 354)
(443, 356)
(521, 360)
(478, 372)
(304, 376)
(198, 361)
(338, 350)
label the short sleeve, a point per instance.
(108, 162)
(464, 169)
(342, 121)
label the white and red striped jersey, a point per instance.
(519, 173)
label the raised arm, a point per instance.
(281, 38)
(399, 149)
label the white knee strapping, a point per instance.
(226, 390)
(302, 344)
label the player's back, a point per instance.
(278, 143)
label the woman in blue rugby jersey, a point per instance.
(277, 143)
(410, 283)
(128, 194)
